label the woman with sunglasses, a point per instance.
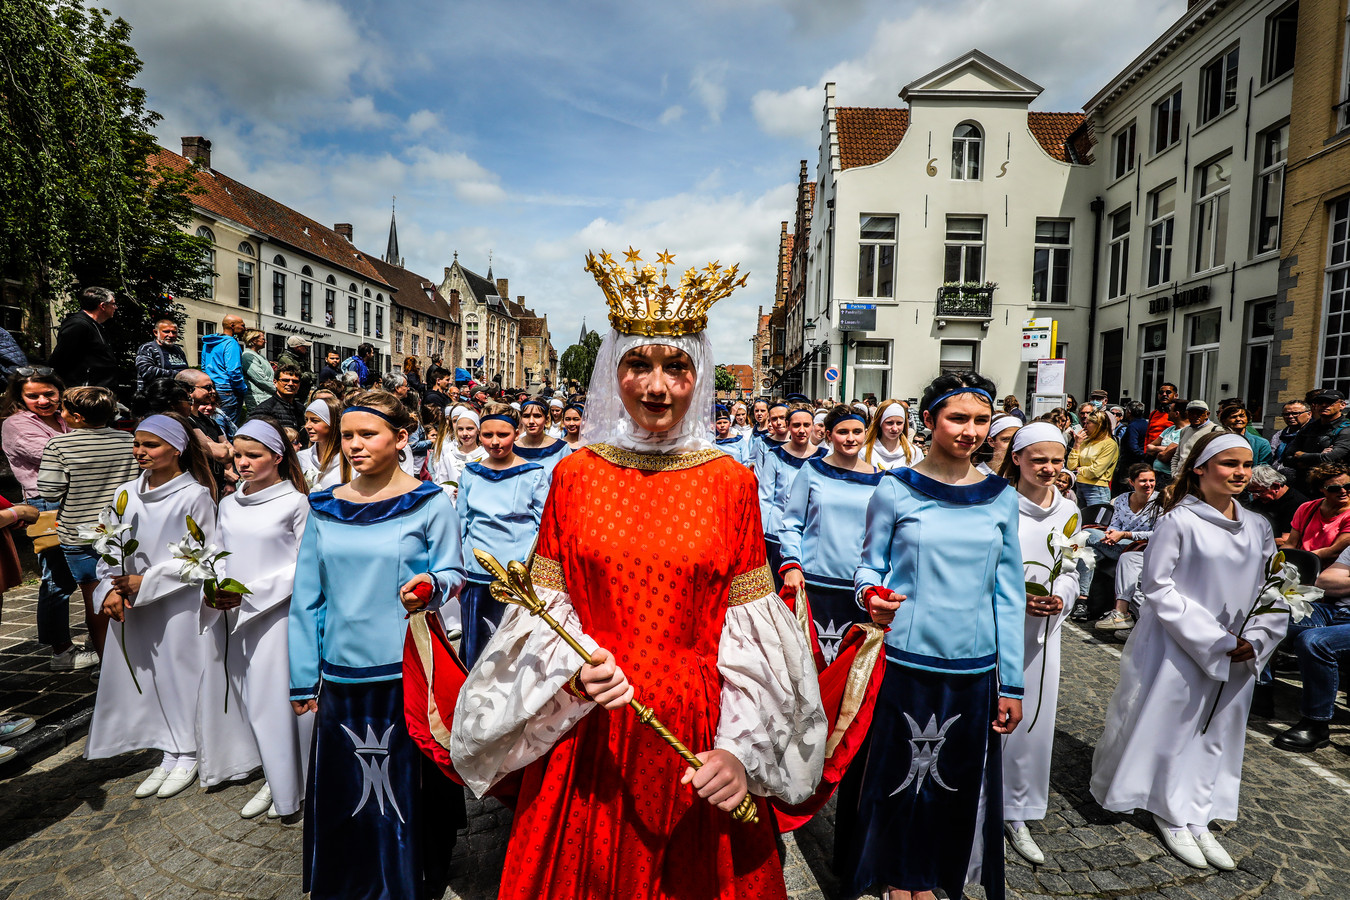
(1322, 527)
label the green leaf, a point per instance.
(109, 559)
(121, 508)
(222, 554)
(1037, 590)
(234, 587)
(130, 546)
(1071, 526)
(1035, 562)
(196, 531)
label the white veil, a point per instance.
(606, 421)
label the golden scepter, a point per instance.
(514, 586)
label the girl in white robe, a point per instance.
(321, 461)
(1203, 567)
(450, 457)
(1035, 459)
(260, 525)
(158, 611)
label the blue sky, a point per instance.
(540, 130)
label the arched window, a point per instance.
(246, 248)
(306, 270)
(367, 292)
(967, 152)
(351, 288)
(203, 231)
(332, 280)
(279, 260)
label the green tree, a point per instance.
(80, 203)
(579, 359)
(724, 381)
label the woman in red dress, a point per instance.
(651, 552)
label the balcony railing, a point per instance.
(966, 301)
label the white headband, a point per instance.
(820, 418)
(894, 411)
(320, 409)
(861, 407)
(1003, 423)
(1218, 445)
(166, 428)
(260, 431)
(516, 407)
(556, 403)
(1034, 434)
(465, 414)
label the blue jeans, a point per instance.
(1103, 551)
(228, 403)
(1322, 643)
(1093, 494)
(83, 562)
(53, 605)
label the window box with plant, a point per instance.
(966, 299)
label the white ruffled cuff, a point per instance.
(513, 707)
(771, 717)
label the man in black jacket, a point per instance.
(332, 368)
(1324, 440)
(162, 357)
(286, 407)
(82, 355)
(297, 354)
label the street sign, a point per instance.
(832, 374)
(1051, 376)
(1038, 339)
(857, 317)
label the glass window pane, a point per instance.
(886, 271)
(974, 263)
(866, 273)
(1039, 274)
(952, 268)
(877, 228)
(964, 228)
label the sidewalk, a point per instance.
(61, 702)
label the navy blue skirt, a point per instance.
(931, 751)
(380, 818)
(834, 611)
(774, 551)
(480, 615)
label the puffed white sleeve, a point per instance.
(771, 716)
(514, 705)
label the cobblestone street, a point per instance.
(71, 828)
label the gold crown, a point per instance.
(641, 303)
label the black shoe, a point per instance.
(1305, 736)
(1263, 701)
(1079, 613)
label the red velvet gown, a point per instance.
(652, 551)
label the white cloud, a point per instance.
(707, 85)
(421, 122)
(360, 113)
(671, 115)
(1043, 39)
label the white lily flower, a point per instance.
(186, 549)
(1073, 547)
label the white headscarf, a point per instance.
(606, 421)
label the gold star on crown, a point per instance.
(641, 302)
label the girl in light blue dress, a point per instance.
(775, 471)
(535, 444)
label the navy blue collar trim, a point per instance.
(325, 504)
(796, 462)
(483, 471)
(541, 452)
(962, 494)
(728, 440)
(820, 465)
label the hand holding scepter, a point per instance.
(514, 586)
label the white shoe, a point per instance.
(178, 779)
(151, 785)
(1181, 844)
(1022, 842)
(7, 753)
(73, 658)
(259, 804)
(1217, 856)
(272, 812)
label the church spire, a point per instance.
(582, 339)
(489, 274)
(391, 252)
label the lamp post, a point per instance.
(808, 345)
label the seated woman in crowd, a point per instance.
(1322, 527)
(1132, 518)
(1235, 418)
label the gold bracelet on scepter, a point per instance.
(514, 586)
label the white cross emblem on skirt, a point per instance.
(923, 762)
(373, 757)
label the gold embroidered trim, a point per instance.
(547, 573)
(421, 634)
(855, 687)
(653, 462)
(750, 586)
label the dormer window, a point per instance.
(967, 151)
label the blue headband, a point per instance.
(577, 406)
(962, 390)
(854, 416)
(773, 406)
(534, 402)
(373, 412)
(499, 417)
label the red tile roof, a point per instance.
(869, 135)
(744, 375)
(230, 199)
(1053, 130)
(411, 290)
(532, 326)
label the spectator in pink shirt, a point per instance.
(1323, 526)
(31, 409)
